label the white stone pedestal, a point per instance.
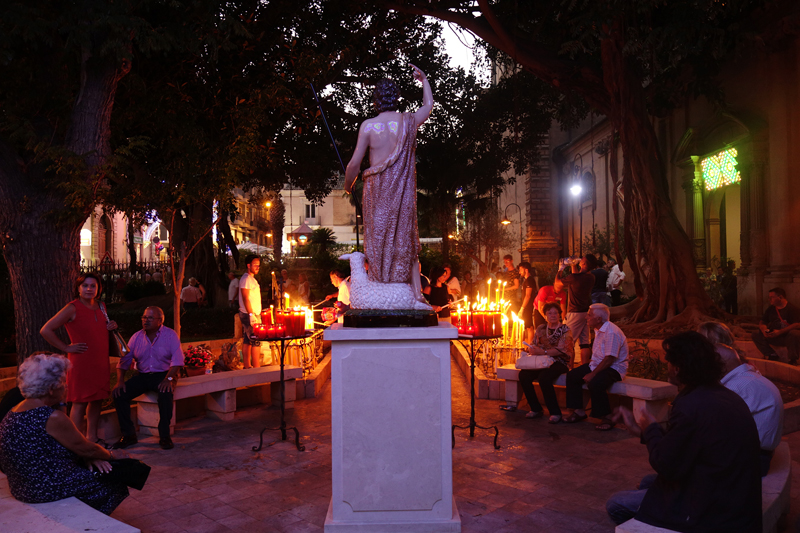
(391, 430)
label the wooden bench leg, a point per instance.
(658, 408)
(290, 395)
(513, 393)
(221, 405)
(147, 414)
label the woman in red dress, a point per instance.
(88, 381)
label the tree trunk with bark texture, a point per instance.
(42, 253)
(664, 256)
(277, 219)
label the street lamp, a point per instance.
(576, 190)
(506, 222)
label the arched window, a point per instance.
(104, 237)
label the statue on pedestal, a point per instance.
(391, 237)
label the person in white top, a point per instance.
(614, 281)
(250, 311)
(453, 285)
(608, 365)
(762, 397)
(233, 290)
(191, 295)
(343, 284)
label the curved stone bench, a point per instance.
(775, 496)
(647, 394)
(63, 516)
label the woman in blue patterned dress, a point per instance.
(43, 454)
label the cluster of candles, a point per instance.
(490, 317)
(277, 323)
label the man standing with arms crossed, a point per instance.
(250, 311)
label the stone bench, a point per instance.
(775, 497)
(63, 516)
(647, 394)
(220, 393)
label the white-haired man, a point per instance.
(158, 355)
(608, 365)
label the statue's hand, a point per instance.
(418, 74)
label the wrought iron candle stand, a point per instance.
(285, 343)
(472, 424)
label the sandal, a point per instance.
(571, 419)
(534, 414)
(555, 419)
(509, 408)
(605, 425)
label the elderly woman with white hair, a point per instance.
(43, 454)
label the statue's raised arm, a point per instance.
(391, 237)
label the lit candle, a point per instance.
(286, 295)
(497, 294)
(503, 294)
(489, 288)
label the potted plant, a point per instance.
(196, 359)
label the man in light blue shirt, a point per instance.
(156, 349)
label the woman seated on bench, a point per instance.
(553, 339)
(43, 454)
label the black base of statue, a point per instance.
(389, 318)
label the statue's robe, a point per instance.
(391, 236)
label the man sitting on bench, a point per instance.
(608, 365)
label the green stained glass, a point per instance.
(720, 170)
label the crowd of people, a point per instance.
(708, 459)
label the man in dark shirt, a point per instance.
(599, 291)
(529, 292)
(707, 461)
(780, 326)
(579, 284)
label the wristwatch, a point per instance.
(170, 378)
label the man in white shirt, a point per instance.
(250, 311)
(762, 398)
(343, 284)
(608, 365)
(614, 281)
(233, 290)
(191, 295)
(453, 285)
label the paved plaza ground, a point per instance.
(545, 477)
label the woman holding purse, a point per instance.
(89, 379)
(552, 339)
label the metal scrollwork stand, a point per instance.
(472, 424)
(285, 343)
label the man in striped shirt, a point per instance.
(608, 365)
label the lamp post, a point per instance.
(576, 190)
(506, 222)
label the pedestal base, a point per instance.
(392, 468)
(420, 526)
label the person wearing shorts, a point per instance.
(528, 295)
(250, 311)
(579, 285)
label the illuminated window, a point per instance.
(720, 170)
(86, 237)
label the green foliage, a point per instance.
(601, 242)
(196, 324)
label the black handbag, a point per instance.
(131, 472)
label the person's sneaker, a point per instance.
(534, 414)
(166, 444)
(124, 442)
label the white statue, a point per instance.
(367, 294)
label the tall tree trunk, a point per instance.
(227, 238)
(42, 250)
(276, 221)
(131, 245)
(663, 248)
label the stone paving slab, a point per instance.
(553, 478)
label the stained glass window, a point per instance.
(720, 170)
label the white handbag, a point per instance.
(534, 362)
